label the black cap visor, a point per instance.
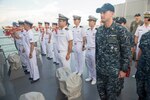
(101, 10)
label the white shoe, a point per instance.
(88, 79)
(93, 82)
(133, 76)
(79, 74)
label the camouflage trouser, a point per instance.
(107, 87)
(120, 86)
(143, 85)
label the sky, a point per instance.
(48, 10)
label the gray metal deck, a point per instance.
(48, 85)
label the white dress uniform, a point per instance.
(42, 42)
(49, 46)
(90, 53)
(78, 34)
(139, 32)
(19, 44)
(34, 71)
(25, 54)
(64, 36)
(55, 48)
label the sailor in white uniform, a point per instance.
(142, 30)
(20, 38)
(48, 41)
(41, 38)
(90, 50)
(78, 44)
(15, 24)
(55, 39)
(31, 53)
(64, 42)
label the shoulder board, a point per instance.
(88, 29)
(81, 26)
(67, 29)
(96, 28)
(74, 27)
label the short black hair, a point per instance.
(40, 23)
(54, 24)
(46, 23)
(120, 20)
(137, 15)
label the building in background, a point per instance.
(130, 8)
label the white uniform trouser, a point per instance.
(78, 53)
(90, 62)
(22, 55)
(43, 46)
(34, 71)
(49, 48)
(55, 58)
(137, 50)
(62, 59)
(25, 59)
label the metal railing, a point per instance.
(4, 44)
(2, 37)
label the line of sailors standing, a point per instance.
(57, 43)
(25, 44)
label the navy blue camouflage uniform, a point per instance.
(143, 69)
(112, 56)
